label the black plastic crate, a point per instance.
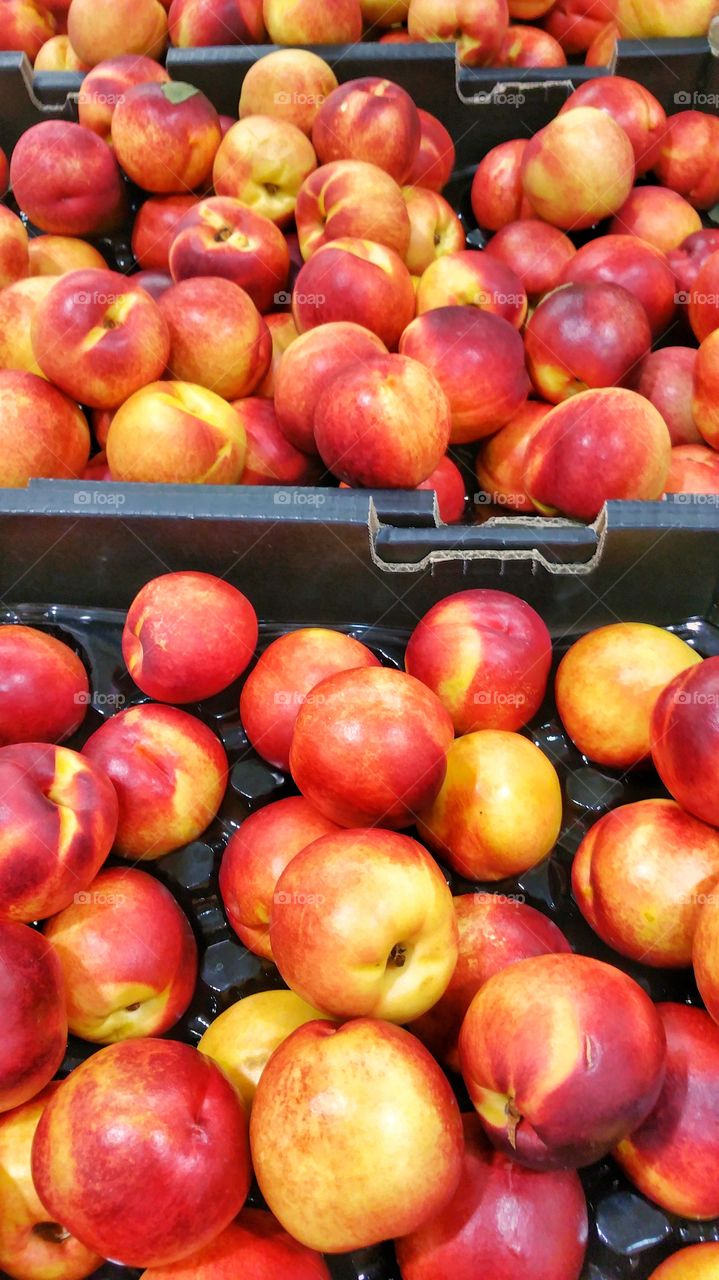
(73, 567)
(479, 107)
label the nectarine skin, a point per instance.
(657, 215)
(254, 1243)
(169, 771)
(499, 463)
(104, 86)
(370, 747)
(494, 931)
(698, 1262)
(290, 84)
(67, 180)
(283, 680)
(503, 1221)
(631, 106)
(357, 281)
(128, 956)
(387, 1153)
(671, 1156)
(625, 431)
(270, 458)
(705, 400)
(705, 955)
(177, 432)
(351, 198)
(384, 423)
(584, 336)
(43, 434)
(184, 1135)
(196, 23)
(31, 662)
(154, 228)
(369, 119)
(263, 162)
(307, 369)
(497, 194)
(634, 265)
(255, 858)
(499, 810)
(478, 361)
(607, 686)
(434, 163)
(486, 654)
(169, 656)
(600, 1077)
(26, 1250)
(392, 963)
(684, 733)
(694, 468)
(666, 377)
(113, 337)
(59, 821)
(220, 237)
(578, 169)
(640, 877)
(237, 361)
(243, 1038)
(34, 1018)
(688, 160)
(101, 29)
(536, 251)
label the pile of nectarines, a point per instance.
(305, 306)
(388, 983)
(72, 35)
